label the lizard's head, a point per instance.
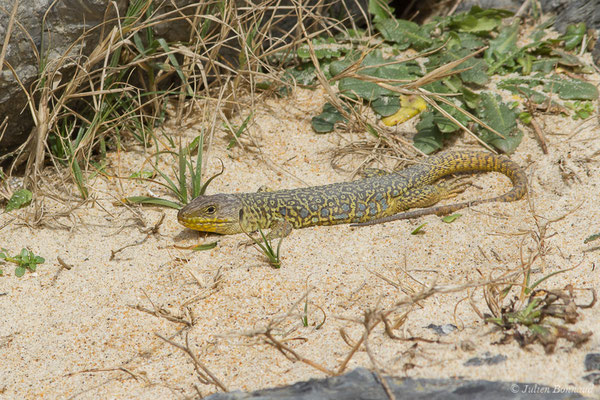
(219, 213)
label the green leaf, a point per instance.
(444, 124)
(171, 55)
(205, 246)
(145, 174)
(574, 35)
(525, 117)
(325, 48)
(475, 67)
(79, 179)
(451, 218)
(503, 50)
(566, 88)
(463, 40)
(20, 271)
(428, 138)
(417, 230)
(20, 198)
(570, 89)
(545, 65)
(238, 132)
(380, 10)
(386, 105)
(302, 75)
(324, 122)
(504, 120)
(153, 201)
(376, 66)
(470, 97)
(405, 33)
(478, 20)
(533, 95)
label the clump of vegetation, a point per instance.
(266, 246)
(537, 315)
(461, 53)
(25, 260)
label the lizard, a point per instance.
(367, 201)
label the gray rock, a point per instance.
(63, 25)
(442, 329)
(594, 378)
(362, 384)
(592, 362)
(486, 359)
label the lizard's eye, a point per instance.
(211, 209)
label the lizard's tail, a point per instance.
(452, 162)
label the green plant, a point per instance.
(266, 247)
(20, 198)
(25, 260)
(539, 311)
(183, 189)
(462, 52)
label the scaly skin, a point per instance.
(362, 202)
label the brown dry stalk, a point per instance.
(204, 374)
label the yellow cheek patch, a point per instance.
(206, 225)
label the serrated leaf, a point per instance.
(478, 20)
(405, 33)
(566, 88)
(325, 48)
(20, 198)
(567, 59)
(376, 66)
(501, 118)
(521, 90)
(574, 35)
(428, 138)
(153, 201)
(570, 89)
(475, 67)
(545, 65)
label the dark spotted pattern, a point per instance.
(362, 200)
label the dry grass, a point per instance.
(118, 92)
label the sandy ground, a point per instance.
(78, 333)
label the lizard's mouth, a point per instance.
(216, 224)
(212, 225)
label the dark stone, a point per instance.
(362, 384)
(592, 362)
(594, 378)
(486, 359)
(442, 329)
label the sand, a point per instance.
(80, 333)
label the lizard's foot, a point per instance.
(454, 186)
(279, 229)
